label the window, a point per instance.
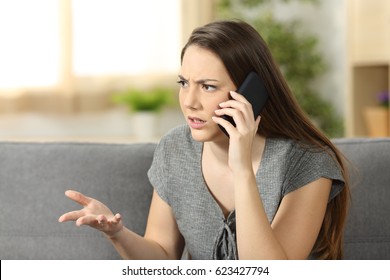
(107, 37)
(61, 55)
(125, 37)
(29, 49)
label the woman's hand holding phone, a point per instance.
(254, 91)
(239, 118)
(242, 132)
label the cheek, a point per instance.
(214, 105)
(219, 98)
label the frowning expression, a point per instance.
(205, 83)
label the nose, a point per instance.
(191, 98)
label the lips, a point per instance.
(196, 123)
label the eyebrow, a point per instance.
(201, 81)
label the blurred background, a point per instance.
(106, 70)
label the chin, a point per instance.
(199, 136)
(207, 135)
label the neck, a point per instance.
(219, 150)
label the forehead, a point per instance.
(201, 61)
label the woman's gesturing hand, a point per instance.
(94, 214)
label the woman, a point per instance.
(276, 188)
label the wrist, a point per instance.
(240, 168)
(244, 177)
(114, 235)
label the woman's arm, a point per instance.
(162, 239)
(294, 229)
(298, 220)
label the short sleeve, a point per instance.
(306, 165)
(157, 173)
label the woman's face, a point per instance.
(205, 83)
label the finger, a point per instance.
(258, 119)
(78, 197)
(239, 97)
(70, 216)
(117, 218)
(243, 106)
(87, 220)
(257, 123)
(101, 219)
(242, 120)
(232, 112)
(225, 124)
(233, 104)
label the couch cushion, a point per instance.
(33, 179)
(367, 233)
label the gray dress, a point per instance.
(176, 176)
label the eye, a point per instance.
(182, 83)
(209, 87)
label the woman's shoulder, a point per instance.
(179, 131)
(279, 145)
(302, 162)
(177, 134)
(291, 145)
(178, 139)
(295, 150)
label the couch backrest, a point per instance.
(367, 233)
(33, 179)
(34, 176)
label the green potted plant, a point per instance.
(297, 54)
(144, 104)
(144, 100)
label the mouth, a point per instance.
(196, 123)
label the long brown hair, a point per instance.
(242, 49)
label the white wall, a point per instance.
(327, 20)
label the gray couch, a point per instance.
(34, 176)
